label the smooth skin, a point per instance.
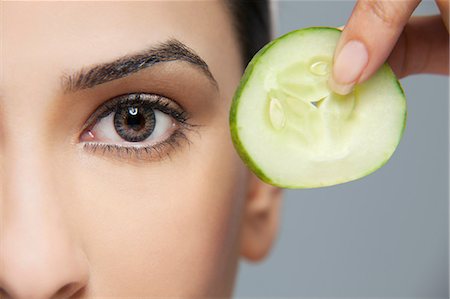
(78, 224)
(383, 30)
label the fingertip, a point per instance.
(349, 64)
(342, 89)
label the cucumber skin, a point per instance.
(233, 112)
(400, 88)
(244, 155)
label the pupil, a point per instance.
(135, 121)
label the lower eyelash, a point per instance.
(154, 152)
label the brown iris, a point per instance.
(134, 123)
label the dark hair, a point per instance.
(252, 22)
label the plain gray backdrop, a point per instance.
(385, 235)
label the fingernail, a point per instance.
(348, 66)
(341, 89)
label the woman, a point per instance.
(120, 179)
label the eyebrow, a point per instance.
(171, 50)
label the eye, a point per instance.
(132, 123)
(135, 123)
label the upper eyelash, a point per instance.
(158, 103)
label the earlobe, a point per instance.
(261, 219)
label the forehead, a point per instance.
(62, 36)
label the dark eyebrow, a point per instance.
(170, 50)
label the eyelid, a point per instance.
(137, 151)
(132, 154)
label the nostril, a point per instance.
(66, 291)
(70, 290)
(4, 294)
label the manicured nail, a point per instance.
(348, 66)
(341, 89)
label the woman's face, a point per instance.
(119, 177)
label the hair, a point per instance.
(252, 23)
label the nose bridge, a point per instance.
(39, 257)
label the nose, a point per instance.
(40, 257)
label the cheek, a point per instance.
(164, 226)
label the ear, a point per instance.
(261, 219)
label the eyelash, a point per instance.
(152, 152)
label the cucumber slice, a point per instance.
(293, 132)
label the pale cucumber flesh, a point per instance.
(294, 132)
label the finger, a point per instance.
(444, 8)
(423, 47)
(367, 40)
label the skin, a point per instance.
(91, 225)
(411, 45)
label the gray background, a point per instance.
(385, 235)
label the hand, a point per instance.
(380, 30)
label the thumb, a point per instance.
(367, 40)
